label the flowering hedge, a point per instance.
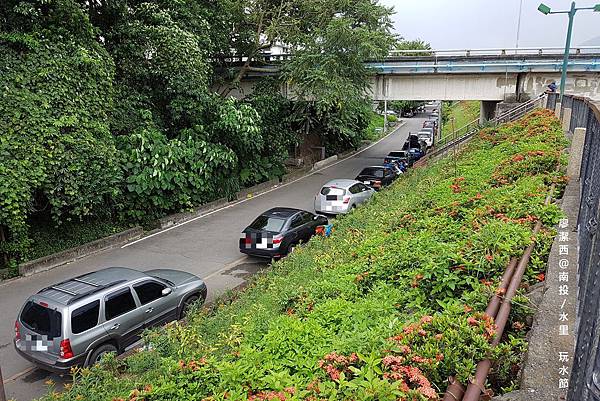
(386, 308)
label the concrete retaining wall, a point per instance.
(70, 255)
(324, 162)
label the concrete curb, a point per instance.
(51, 261)
(324, 162)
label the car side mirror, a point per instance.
(166, 291)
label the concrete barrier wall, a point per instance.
(70, 255)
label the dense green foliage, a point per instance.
(386, 308)
(109, 108)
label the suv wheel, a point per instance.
(291, 249)
(187, 304)
(100, 352)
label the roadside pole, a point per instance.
(2, 393)
(384, 119)
(440, 120)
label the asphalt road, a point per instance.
(207, 247)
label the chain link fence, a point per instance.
(584, 384)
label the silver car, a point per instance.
(76, 322)
(341, 196)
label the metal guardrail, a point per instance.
(464, 133)
(584, 383)
(495, 51)
(524, 51)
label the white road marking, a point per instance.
(259, 194)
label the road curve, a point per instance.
(207, 247)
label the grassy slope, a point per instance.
(463, 113)
(434, 244)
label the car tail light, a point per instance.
(65, 349)
(346, 199)
(17, 330)
(277, 239)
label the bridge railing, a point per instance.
(494, 51)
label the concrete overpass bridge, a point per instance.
(496, 77)
(489, 75)
(483, 74)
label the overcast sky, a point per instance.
(459, 24)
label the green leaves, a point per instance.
(172, 174)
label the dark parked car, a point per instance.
(77, 321)
(408, 113)
(415, 154)
(398, 157)
(277, 231)
(376, 177)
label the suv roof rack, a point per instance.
(78, 295)
(98, 288)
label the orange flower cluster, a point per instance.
(521, 220)
(409, 377)
(271, 395)
(334, 364)
(415, 282)
(456, 188)
(136, 394)
(360, 277)
(192, 365)
(489, 326)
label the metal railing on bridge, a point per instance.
(501, 51)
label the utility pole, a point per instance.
(544, 9)
(519, 27)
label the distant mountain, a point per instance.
(592, 42)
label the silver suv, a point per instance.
(75, 322)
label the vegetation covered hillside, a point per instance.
(386, 308)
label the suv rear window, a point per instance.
(85, 318)
(397, 154)
(42, 320)
(268, 223)
(333, 191)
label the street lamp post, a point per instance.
(544, 9)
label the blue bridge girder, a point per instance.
(470, 65)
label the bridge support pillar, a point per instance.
(487, 110)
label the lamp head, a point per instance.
(544, 9)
